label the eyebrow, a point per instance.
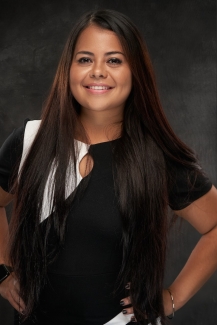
(106, 54)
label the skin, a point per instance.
(9, 288)
(101, 112)
(202, 263)
(101, 116)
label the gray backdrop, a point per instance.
(181, 37)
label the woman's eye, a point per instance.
(115, 61)
(84, 60)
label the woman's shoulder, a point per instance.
(186, 184)
(14, 141)
(10, 154)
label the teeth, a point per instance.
(98, 87)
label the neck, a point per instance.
(101, 126)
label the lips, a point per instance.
(98, 88)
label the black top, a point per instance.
(181, 193)
(92, 252)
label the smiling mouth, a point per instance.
(98, 87)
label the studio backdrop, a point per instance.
(181, 38)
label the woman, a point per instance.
(96, 175)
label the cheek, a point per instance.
(74, 83)
(127, 81)
(76, 76)
(73, 77)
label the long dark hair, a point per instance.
(147, 142)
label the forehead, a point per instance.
(94, 38)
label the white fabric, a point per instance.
(122, 319)
(82, 149)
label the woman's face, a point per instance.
(100, 76)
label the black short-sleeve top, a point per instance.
(10, 155)
(185, 188)
(92, 251)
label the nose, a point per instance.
(98, 71)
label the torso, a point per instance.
(91, 257)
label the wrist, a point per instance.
(171, 316)
(169, 303)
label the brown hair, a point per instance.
(146, 144)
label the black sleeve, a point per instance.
(186, 186)
(10, 156)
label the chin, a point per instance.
(98, 108)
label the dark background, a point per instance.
(181, 37)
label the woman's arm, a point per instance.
(5, 199)
(9, 288)
(202, 263)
